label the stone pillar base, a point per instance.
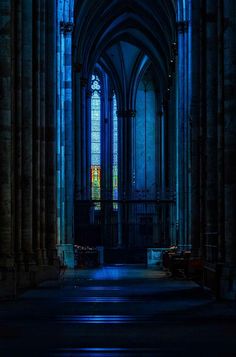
(66, 255)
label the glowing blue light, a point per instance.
(65, 10)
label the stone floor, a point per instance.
(117, 311)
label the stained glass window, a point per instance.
(96, 140)
(115, 153)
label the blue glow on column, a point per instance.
(145, 141)
(115, 153)
(65, 9)
(183, 127)
(182, 10)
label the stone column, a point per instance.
(180, 142)
(162, 150)
(211, 133)
(229, 288)
(109, 175)
(65, 135)
(106, 192)
(39, 134)
(27, 133)
(18, 140)
(183, 133)
(43, 114)
(165, 169)
(85, 170)
(120, 187)
(6, 115)
(202, 173)
(125, 178)
(195, 130)
(50, 132)
(37, 138)
(172, 164)
(69, 134)
(77, 120)
(220, 133)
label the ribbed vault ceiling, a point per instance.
(122, 35)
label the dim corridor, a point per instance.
(117, 311)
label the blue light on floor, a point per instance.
(101, 299)
(101, 288)
(103, 319)
(109, 273)
(107, 352)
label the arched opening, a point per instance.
(127, 201)
(117, 146)
(128, 162)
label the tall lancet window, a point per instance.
(115, 153)
(96, 140)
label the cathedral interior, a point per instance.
(117, 178)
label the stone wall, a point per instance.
(217, 145)
(27, 143)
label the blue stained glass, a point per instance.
(95, 84)
(95, 159)
(115, 154)
(96, 140)
(96, 126)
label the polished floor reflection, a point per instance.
(117, 311)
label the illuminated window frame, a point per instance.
(95, 169)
